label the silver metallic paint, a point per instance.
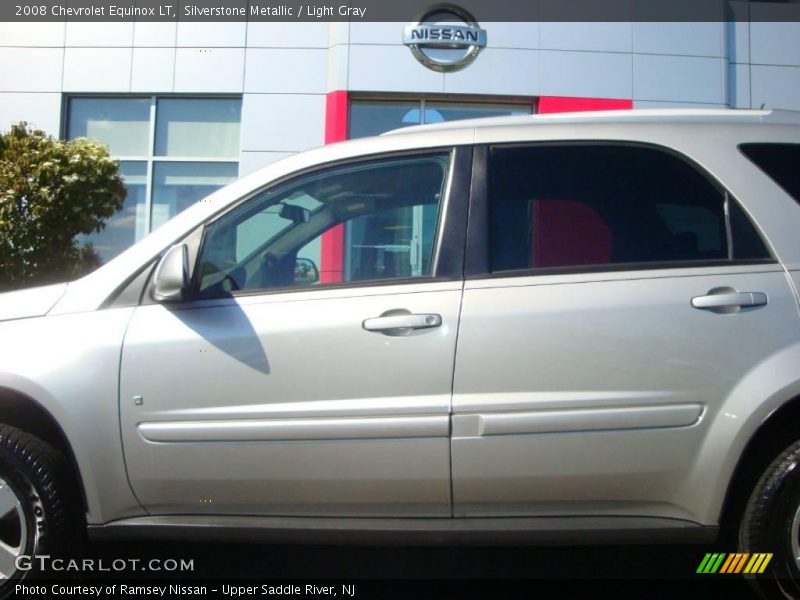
(341, 452)
(741, 369)
(31, 302)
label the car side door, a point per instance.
(274, 390)
(616, 296)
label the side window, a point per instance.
(780, 162)
(274, 240)
(576, 205)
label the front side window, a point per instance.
(274, 240)
(581, 205)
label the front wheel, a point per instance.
(35, 507)
(771, 524)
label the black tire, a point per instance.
(37, 475)
(767, 525)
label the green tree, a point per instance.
(51, 191)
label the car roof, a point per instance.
(621, 117)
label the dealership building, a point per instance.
(187, 107)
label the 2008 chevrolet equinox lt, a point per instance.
(520, 328)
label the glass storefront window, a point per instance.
(123, 124)
(178, 185)
(373, 117)
(126, 227)
(436, 112)
(172, 152)
(198, 127)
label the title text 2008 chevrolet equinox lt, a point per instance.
(520, 328)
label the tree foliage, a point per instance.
(51, 191)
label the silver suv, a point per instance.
(520, 328)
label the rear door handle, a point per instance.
(730, 300)
(402, 324)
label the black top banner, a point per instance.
(399, 10)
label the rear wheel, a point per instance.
(771, 524)
(35, 508)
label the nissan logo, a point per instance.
(445, 38)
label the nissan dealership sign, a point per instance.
(446, 38)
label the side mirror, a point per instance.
(172, 275)
(305, 272)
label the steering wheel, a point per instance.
(271, 271)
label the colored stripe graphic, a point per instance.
(704, 563)
(715, 565)
(742, 562)
(765, 563)
(738, 562)
(727, 564)
(752, 566)
(759, 563)
(711, 563)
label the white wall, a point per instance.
(284, 70)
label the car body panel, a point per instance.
(31, 302)
(69, 365)
(681, 464)
(293, 435)
(407, 530)
(588, 350)
(762, 391)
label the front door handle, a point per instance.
(729, 301)
(402, 324)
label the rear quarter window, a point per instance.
(780, 161)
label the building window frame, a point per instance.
(528, 102)
(151, 159)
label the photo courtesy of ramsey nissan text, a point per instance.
(369, 299)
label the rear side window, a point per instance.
(574, 205)
(780, 161)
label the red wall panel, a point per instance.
(557, 104)
(331, 263)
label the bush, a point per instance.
(51, 191)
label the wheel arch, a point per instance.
(23, 412)
(776, 432)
